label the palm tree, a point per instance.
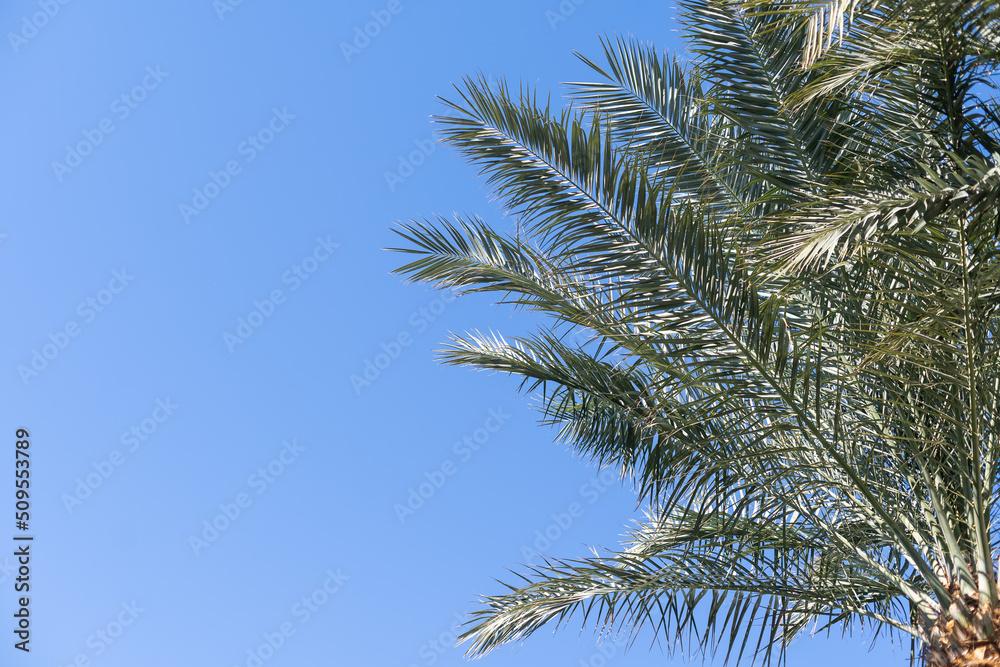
(784, 254)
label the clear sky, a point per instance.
(196, 196)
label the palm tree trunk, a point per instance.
(974, 643)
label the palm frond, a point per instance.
(785, 252)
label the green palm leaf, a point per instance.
(785, 256)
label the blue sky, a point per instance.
(196, 199)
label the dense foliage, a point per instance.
(785, 254)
